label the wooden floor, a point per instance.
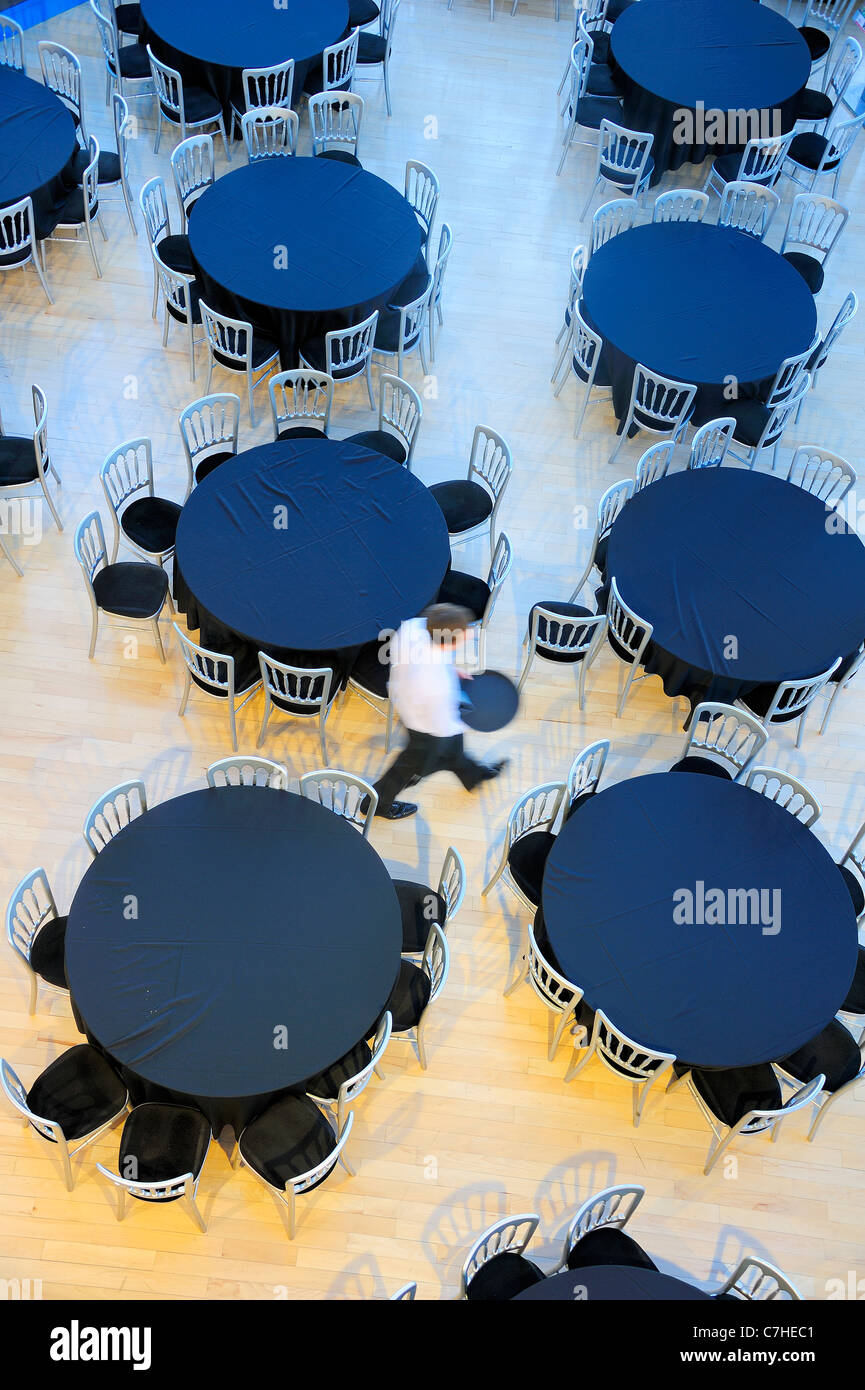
(490, 1128)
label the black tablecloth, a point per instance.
(721, 553)
(611, 1282)
(219, 919)
(699, 303)
(713, 995)
(301, 246)
(210, 42)
(731, 55)
(361, 546)
(37, 145)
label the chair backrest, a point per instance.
(728, 734)
(587, 769)
(446, 241)
(654, 464)
(353, 1086)
(213, 670)
(112, 812)
(412, 319)
(269, 132)
(819, 471)
(89, 546)
(108, 35)
(11, 43)
(579, 261)
(306, 688)
(315, 1175)
(658, 402)
(556, 632)
(785, 791)
(748, 207)
(268, 86)
(680, 205)
(815, 222)
(435, 961)
(782, 412)
(338, 62)
(830, 13)
(347, 349)
(840, 74)
(301, 396)
(613, 1208)
(335, 120)
(794, 696)
(14, 1090)
(209, 426)
(500, 568)
(406, 1294)
(40, 432)
(762, 158)
(855, 853)
(30, 907)
(344, 794)
(245, 771)
(61, 72)
(90, 179)
(192, 167)
(611, 503)
(757, 1121)
(618, 215)
(537, 809)
(387, 21)
(627, 1057)
(231, 338)
(400, 411)
(452, 884)
(711, 442)
(176, 287)
(839, 142)
(630, 630)
(549, 984)
(166, 1190)
(586, 345)
(154, 209)
(757, 1281)
(122, 133)
(490, 463)
(168, 85)
(848, 310)
(622, 153)
(16, 226)
(127, 470)
(582, 52)
(508, 1236)
(422, 192)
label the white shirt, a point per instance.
(424, 682)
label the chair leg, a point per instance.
(577, 1067)
(93, 631)
(387, 90)
(67, 1168)
(184, 699)
(157, 637)
(525, 671)
(224, 135)
(582, 413)
(560, 362)
(10, 557)
(250, 393)
(39, 272)
(93, 256)
(191, 1206)
(622, 435)
(368, 375)
(419, 1039)
(34, 990)
(51, 507)
(265, 720)
(101, 228)
(588, 202)
(232, 720)
(557, 1032)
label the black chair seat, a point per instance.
(621, 652)
(608, 1246)
(808, 267)
(726, 166)
(465, 504)
(71, 213)
(818, 41)
(409, 997)
(263, 349)
(381, 442)
(465, 590)
(854, 888)
(131, 589)
(414, 285)
(164, 1141)
(361, 12)
(198, 103)
(341, 157)
(601, 554)
(151, 523)
(602, 82)
(314, 352)
(602, 374)
(813, 106)
(326, 1085)
(624, 178)
(694, 763)
(128, 18)
(213, 461)
(79, 1091)
(502, 1278)
(133, 61)
(808, 149)
(194, 300)
(288, 1139)
(600, 45)
(760, 698)
(301, 432)
(575, 805)
(48, 952)
(17, 461)
(419, 907)
(371, 48)
(567, 610)
(387, 332)
(730, 1094)
(592, 110)
(527, 858)
(370, 671)
(834, 1052)
(176, 253)
(750, 416)
(107, 170)
(855, 1000)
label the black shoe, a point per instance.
(397, 810)
(492, 770)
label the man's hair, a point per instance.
(447, 621)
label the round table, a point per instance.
(210, 42)
(699, 303)
(37, 144)
(713, 995)
(307, 550)
(716, 554)
(231, 943)
(611, 1282)
(729, 56)
(302, 246)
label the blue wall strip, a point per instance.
(30, 12)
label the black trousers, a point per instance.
(423, 755)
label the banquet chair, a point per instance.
(612, 218)
(147, 524)
(584, 775)
(587, 364)
(832, 15)
(610, 505)
(839, 682)
(400, 332)
(852, 869)
(813, 228)
(238, 347)
(623, 159)
(408, 1292)
(25, 461)
(721, 741)
(812, 155)
(470, 505)
(680, 205)
(748, 207)
(742, 1100)
(300, 404)
(621, 1054)
(188, 108)
(840, 1058)
(421, 905)
(789, 700)
(344, 353)
(553, 988)
(174, 250)
(192, 166)
(400, 411)
(757, 1281)
(654, 464)
(658, 404)
(292, 1147)
(375, 49)
(265, 87)
(820, 472)
(112, 812)
(579, 261)
(711, 442)
(596, 1234)
(335, 120)
(496, 1268)
(132, 590)
(821, 353)
(181, 303)
(582, 111)
(127, 66)
(786, 791)
(369, 677)
(61, 74)
(602, 80)
(247, 771)
(127, 16)
(165, 1147)
(760, 162)
(18, 244)
(529, 836)
(416, 988)
(269, 132)
(72, 1102)
(338, 63)
(760, 426)
(479, 596)
(630, 636)
(300, 692)
(818, 106)
(422, 191)
(209, 428)
(214, 673)
(37, 934)
(344, 794)
(115, 167)
(337, 1088)
(80, 210)
(564, 633)
(11, 43)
